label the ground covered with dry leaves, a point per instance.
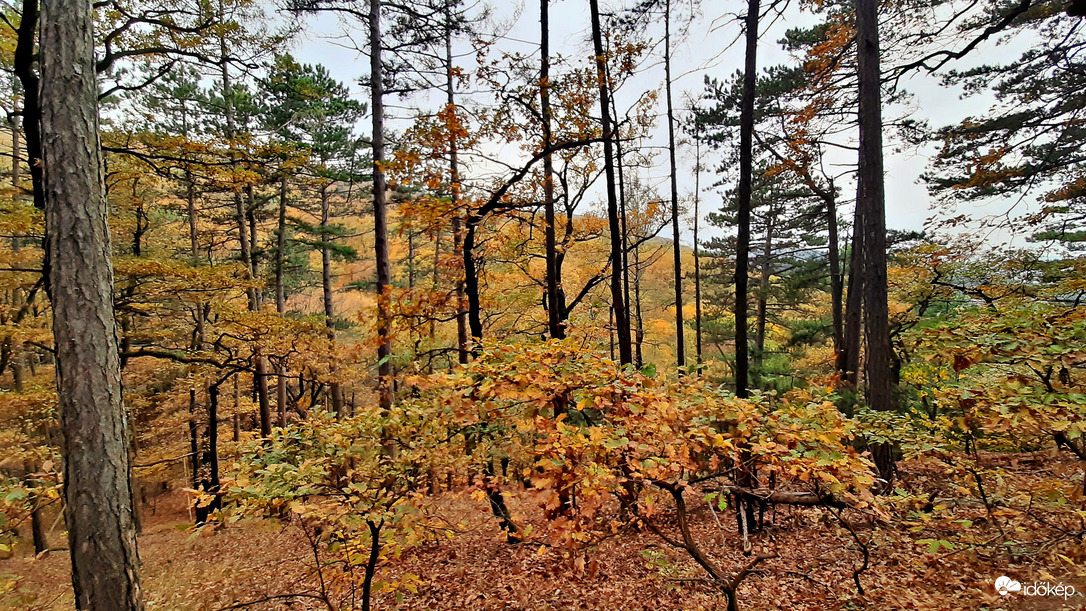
(922, 558)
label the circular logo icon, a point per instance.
(1005, 585)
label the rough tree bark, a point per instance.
(746, 171)
(836, 291)
(622, 312)
(555, 308)
(380, 213)
(329, 305)
(620, 162)
(848, 358)
(97, 471)
(870, 197)
(746, 470)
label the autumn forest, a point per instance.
(644, 304)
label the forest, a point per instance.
(642, 304)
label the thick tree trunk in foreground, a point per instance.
(746, 475)
(746, 171)
(380, 214)
(97, 472)
(870, 197)
(555, 322)
(622, 312)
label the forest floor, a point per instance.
(477, 569)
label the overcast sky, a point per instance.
(708, 49)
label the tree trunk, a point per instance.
(848, 359)
(18, 368)
(194, 252)
(239, 204)
(24, 58)
(280, 248)
(380, 214)
(281, 394)
(697, 253)
(611, 330)
(410, 260)
(745, 472)
(254, 257)
(97, 471)
(37, 526)
(434, 287)
(454, 197)
(260, 380)
(237, 394)
(620, 162)
(243, 241)
(639, 331)
(680, 341)
(870, 196)
(246, 238)
(194, 440)
(329, 306)
(212, 484)
(471, 282)
(371, 562)
(555, 322)
(190, 199)
(463, 347)
(836, 291)
(19, 299)
(280, 299)
(763, 300)
(746, 172)
(213, 437)
(15, 151)
(622, 312)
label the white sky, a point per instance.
(708, 49)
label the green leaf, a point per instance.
(613, 443)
